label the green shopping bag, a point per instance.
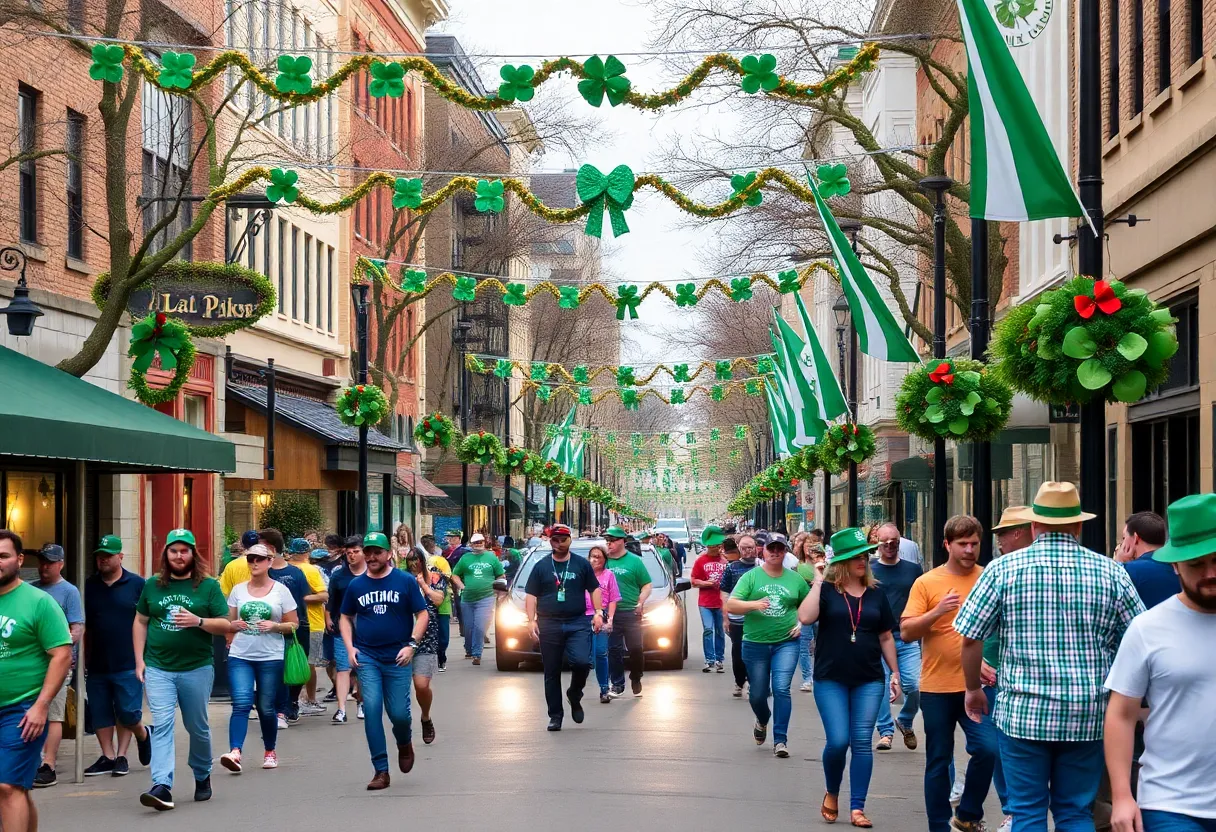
(295, 664)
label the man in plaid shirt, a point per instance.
(1060, 611)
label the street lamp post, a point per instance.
(852, 228)
(938, 185)
(981, 452)
(461, 336)
(361, 341)
(843, 323)
(21, 311)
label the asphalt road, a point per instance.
(679, 758)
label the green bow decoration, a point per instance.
(516, 294)
(176, 70)
(833, 180)
(581, 374)
(544, 393)
(627, 301)
(539, 371)
(107, 63)
(740, 433)
(664, 438)
(503, 367)
(516, 83)
(741, 289)
(157, 335)
(295, 74)
(789, 281)
(759, 73)
(407, 193)
(629, 398)
(742, 180)
(612, 193)
(677, 395)
(584, 395)
(568, 297)
(680, 373)
(686, 294)
(764, 365)
(752, 387)
(604, 78)
(476, 364)
(624, 377)
(465, 289)
(414, 281)
(690, 438)
(282, 187)
(489, 196)
(388, 79)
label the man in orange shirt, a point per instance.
(929, 616)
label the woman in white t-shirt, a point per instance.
(261, 611)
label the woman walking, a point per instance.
(804, 550)
(609, 595)
(855, 623)
(434, 587)
(262, 611)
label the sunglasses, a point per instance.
(257, 558)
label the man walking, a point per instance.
(1060, 611)
(50, 580)
(707, 577)
(474, 576)
(338, 584)
(557, 612)
(1155, 581)
(299, 551)
(929, 617)
(35, 656)
(383, 619)
(1158, 660)
(896, 575)
(735, 570)
(633, 580)
(115, 694)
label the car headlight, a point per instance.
(510, 615)
(661, 615)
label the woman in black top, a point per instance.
(855, 624)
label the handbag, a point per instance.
(295, 663)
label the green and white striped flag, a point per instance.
(778, 419)
(1015, 172)
(828, 395)
(878, 333)
(795, 390)
(563, 449)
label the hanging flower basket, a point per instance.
(361, 404)
(842, 444)
(517, 462)
(479, 448)
(435, 431)
(1087, 340)
(958, 399)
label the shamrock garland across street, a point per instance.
(724, 369)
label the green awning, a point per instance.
(48, 414)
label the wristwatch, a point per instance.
(413, 642)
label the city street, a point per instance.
(679, 758)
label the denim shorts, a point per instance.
(341, 658)
(19, 760)
(327, 646)
(114, 698)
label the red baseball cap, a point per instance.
(559, 529)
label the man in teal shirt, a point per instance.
(633, 580)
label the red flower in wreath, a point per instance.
(942, 375)
(1103, 299)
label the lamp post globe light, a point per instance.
(22, 312)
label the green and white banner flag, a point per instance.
(878, 333)
(828, 396)
(1015, 172)
(778, 419)
(565, 450)
(796, 392)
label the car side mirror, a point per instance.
(500, 584)
(683, 585)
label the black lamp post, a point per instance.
(852, 228)
(938, 185)
(461, 336)
(844, 321)
(360, 292)
(21, 311)
(981, 452)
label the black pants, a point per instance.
(569, 640)
(626, 633)
(736, 654)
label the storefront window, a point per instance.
(31, 507)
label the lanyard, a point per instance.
(855, 623)
(560, 579)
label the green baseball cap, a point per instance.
(1192, 529)
(375, 540)
(850, 543)
(712, 536)
(109, 545)
(617, 532)
(180, 536)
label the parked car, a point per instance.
(664, 623)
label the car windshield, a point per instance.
(670, 524)
(658, 574)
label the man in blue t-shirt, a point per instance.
(383, 618)
(1143, 534)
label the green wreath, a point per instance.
(361, 404)
(1087, 339)
(842, 444)
(958, 399)
(479, 448)
(435, 431)
(159, 335)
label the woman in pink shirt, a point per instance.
(609, 594)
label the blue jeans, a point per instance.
(942, 714)
(998, 772)
(1059, 775)
(167, 691)
(806, 646)
(771, 666)
(386, 688)
(713, 634)
(474, 622)
(908, 659)
(848, 715)
(114, 699)
(445, 635)
(599, 658)
(243, 677)
(1157, 821)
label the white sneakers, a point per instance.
(270, 760)
(232, 760)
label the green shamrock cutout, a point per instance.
(741, 289)
(681, 373)
(388, 79)
(502, 368)
(740, 433)
(489, 196)
(742, 180)
(723, 371)
(717, 392)
(629, 398)
(789, 281)
(833, 180)
(581, 375)
(544, 393)
(516, 83)
(584, 395)
(295, 74)
(627, 301)
(759, 73)
(764, 365)
(686, 294)
(282, 187)
(604, 78)
(539, 371)
(516, 294)
(465, 289)
(407, 193)
(414, 281)
(715, 434)
(176, 70)
(107, 63)
(677, 397)
(568, 297)
(752, 387)
(624, 376)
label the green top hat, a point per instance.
(109, 545)
(712, 536)
(850, 543)
(1192, 529)
(375, 540)
(180, 536)
(616, 531)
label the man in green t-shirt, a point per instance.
(175, 617)
(474, 575)
(633, 581)
(35, 655)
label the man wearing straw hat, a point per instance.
(1060, 611)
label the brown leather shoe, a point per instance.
(380, 781)
(405, 757)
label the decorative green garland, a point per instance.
(842, 444)
(723, 369)
(361, 404)
(1087, 339)
(956, 399)
(159, 335)
(517, 462)
(779, 478)
(479, 448)
(435, 431)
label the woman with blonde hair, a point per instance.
(403, 543)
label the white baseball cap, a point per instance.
(477, 538)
